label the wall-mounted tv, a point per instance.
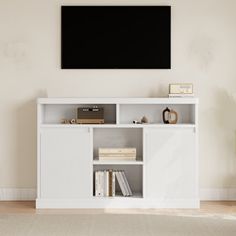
(116, 37)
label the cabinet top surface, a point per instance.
(161, 100)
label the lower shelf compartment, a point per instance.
(133, 174)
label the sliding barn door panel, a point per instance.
(65, 163)
(171, 163)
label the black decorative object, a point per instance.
(167, 116)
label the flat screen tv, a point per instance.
(116, 37)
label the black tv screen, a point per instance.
(116, 37)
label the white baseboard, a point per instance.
(17, 194)
(130, 203)
(218, 194)
(207, 194)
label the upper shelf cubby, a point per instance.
(153, 112)
(55, 113)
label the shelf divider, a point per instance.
(117, 113)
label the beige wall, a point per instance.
(203, 52)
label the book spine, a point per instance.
(117, 150)
(99, 186)
(124, 184)
(117, 158)
(102, 183)
(110, 183)
(113, 184)
(96, 184)
(127, 184)
(120, 182)
(107, 183)
(117, 155)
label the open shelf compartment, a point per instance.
(134, 175)
(153, 112)
(55, 113)
(118, 138)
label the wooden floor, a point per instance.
(207, 207)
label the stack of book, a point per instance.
(105, 183)
(128, 154)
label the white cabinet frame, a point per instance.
(119, 114)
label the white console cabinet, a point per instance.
(164, 175)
